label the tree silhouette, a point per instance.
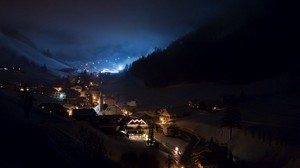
(208, 54)
(151, 132)
(84, 79)
(231, 119)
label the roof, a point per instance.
(84, 112)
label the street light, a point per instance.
(176, 150)
(58, 89)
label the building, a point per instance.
(112, 110)
(134, 128)
(164, 115)
(170, 130)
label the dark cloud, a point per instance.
(91, 30)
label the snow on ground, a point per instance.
(270, 113)
(171, 142)
(127, 88)
(114, 146)
(31, 54)
(270, 135)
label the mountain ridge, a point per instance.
(256, 49)
(22, 46)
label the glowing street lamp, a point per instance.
(70, 112)
(58, 89)
(176, 150)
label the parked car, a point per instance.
(54, 108)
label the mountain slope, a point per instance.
(224, 52)
(23, 47)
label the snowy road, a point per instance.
(186, 155)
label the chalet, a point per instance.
(168, 116)
(134, 128)
(164, 115)
(164, 118)
(135, 123)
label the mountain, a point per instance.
(225, 51)
(13, 41)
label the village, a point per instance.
(119, 117)
(81, 98)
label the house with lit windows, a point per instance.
(134, 128)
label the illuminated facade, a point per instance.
(137, 129)
(164, 116)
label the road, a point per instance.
(185, 158)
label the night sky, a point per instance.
(109, 34)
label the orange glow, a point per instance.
(58, 89)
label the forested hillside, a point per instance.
(226, 52)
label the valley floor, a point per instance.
(270, 113)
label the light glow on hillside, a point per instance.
(106, 70)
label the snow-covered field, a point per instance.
(270, 136)
(114, 147)
(32, 54)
